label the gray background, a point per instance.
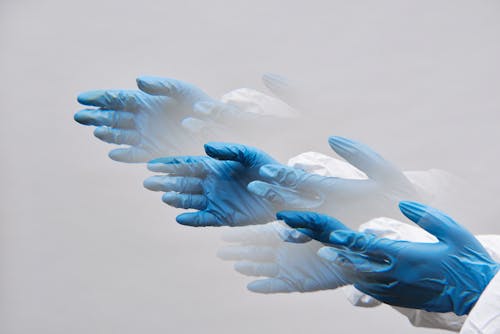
(85, 249)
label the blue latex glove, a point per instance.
(385, 186)
(286, 267)
(169, 116)
(217, 189)
(149, 125)
(446, 276)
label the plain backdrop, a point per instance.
(84, 248)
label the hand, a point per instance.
(286, 266)
(169, 116)
(242, 112)
(353, 200)
(149, 125)
(445, 276)
(216, 188)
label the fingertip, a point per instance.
(284, 215)
(240, 267)
(169, 198)
(86, 98)
(156, 165)
(100, 132)
(221, 253)
(211, 148)
(183, 219)
(219, 150)
(259, 188)
(194, 125)
(327, 253)
(256, 286)
(341, 237)
(204, 107)
(413, 210)
(119, 155)
(150, 183)
(270, 170)
(338, 143)
(80, 117)
(116, 156)
(151, 85)
(145, 80)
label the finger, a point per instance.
(283, 175)
(213, 110)
(282, 197)
(247, 253)
(199, 219)
(117, 136)
(204, 128)
(295, 236)
(310, 183)
(437, 223)
(159, 86)
(170, 87)
(270, 285)
(354, 267)
(379, 248)
(224, 113)
(112, 99)
(99, 117)
(267, 234)
(321, 224)
(185, 201)
(249, 268)
(180, 166)
(181, 184)
(252, 234)
(282, 88)
(246, 155)
(129, 154)
(365, 159)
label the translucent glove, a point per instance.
(354, 200)
(169, 116)
(217, 189)
(243, 112)
(149, 125)
(286, 266)
(446, 276)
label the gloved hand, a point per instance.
(169, 116)
(218, 189)
(286, 266)
(242, 112)
(385, 186)
(150, 125)
(446, 276)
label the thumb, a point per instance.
(160, 86)
(217, 111)
(282, 88)
(246, 155)
(365, 159)
(442, 226)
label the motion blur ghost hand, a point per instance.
(218, 189)
(169, 116)
(445, 276)
(354, 200)
(149, 125)
(286, 266)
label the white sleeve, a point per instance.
(485, 316)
